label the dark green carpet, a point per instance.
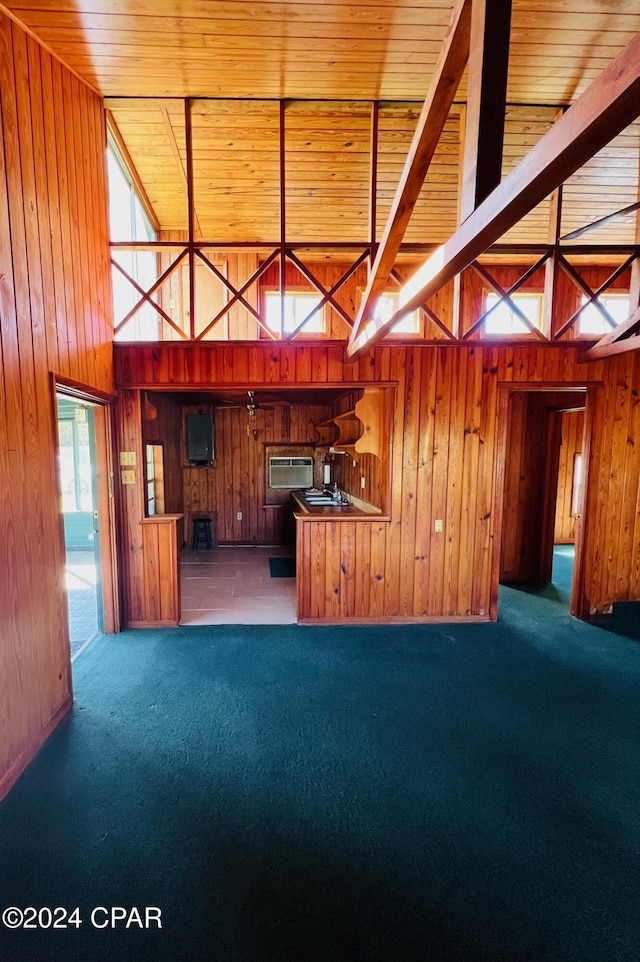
(293, 794)
(282, 567)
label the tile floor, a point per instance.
(81, 595)
(233, 586)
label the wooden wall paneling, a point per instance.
(468, 490)
(36, 330)
(36, 472)
(588, 544)
(363, 568)
(332, 602)
(552, 441)
(18, 657)
(410, 448)
(161, 578)
(634, 479)
(389, 571)
(74, 253)
(40, 187)
(457, 390)
(623, 484)
(444, 362)
(85, 227)
(572, 432)
(426, 392)
(132, 505)
(51, 218)
(461, 381)
(609, 480)
(63, 148)
(379, 597)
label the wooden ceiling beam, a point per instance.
(625, 338)
(433, 117)
(486, 102)
(609, 105)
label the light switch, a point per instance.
(438, 526)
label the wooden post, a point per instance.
(190, 216)
(485, 112)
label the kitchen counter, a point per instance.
(355, 510)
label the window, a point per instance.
(154, 470)
(577, 485)
(387, 305)
(591, 320)
(502, 320)
(297, 306)
(128, 222)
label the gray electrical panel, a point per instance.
(200, 438)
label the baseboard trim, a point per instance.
(152, 624)
(398, 620)
(32, 748)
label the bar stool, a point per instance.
(201, 533)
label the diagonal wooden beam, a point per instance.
(512, 290)
(609, 105)
(328, 295)
(237, 295)
(431, 315)
(173, 143)
(435, 111)
(625, 338)
(592, 297)
(144, 297)
(113, 129)
(601, 222)
(504, 296)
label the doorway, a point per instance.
(86, 498)
(78, 486)
(543, 493)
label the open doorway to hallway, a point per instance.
(78, 485)
(544, 476)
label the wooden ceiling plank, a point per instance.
(609, 105)
(432, 119)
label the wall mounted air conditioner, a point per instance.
(290, 472)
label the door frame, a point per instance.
(101, 403)
(579, 603)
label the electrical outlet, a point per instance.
(363, 482)
(239, 516)
(438, 526)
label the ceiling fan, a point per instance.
(252, 404)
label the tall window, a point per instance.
(129, 222)
(591, 320)
(502, 320)
(297, 306)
